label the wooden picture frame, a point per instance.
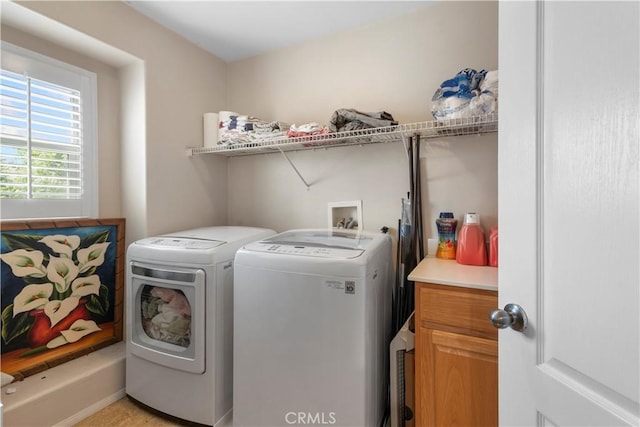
(62, 290)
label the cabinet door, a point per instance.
(458, 384)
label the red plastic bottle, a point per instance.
(493, 247)
(472, 249)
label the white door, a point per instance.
(568, 208)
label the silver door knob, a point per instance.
(512, 316)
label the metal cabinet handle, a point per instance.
(512, 316)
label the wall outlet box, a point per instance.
(347, 215)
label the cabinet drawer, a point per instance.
(457, 308)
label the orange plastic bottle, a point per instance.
(472, 249)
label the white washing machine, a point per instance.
(179, 321)
(312, 316)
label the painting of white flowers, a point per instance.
(62, 287)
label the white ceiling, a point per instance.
(234, 30)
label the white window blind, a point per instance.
(41, 155)
(46, 167)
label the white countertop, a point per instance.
(449, 272)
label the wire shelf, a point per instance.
(431, 129)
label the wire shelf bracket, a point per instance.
(295, 169)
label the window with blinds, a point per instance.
(41, 154)
(45, 146)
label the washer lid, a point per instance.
(314, 243)
(321, 239)
(180, 242)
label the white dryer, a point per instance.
(312, 316)
(179, 321)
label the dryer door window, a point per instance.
(166, 315)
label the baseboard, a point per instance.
(226, 420)
(87, 412)
(65, 394)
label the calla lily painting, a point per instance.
(61, 291)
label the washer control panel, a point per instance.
(305, 250)
(178, 242)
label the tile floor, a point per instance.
(128, 413)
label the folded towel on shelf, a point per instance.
(346, 119)
(239, 122)
(236, 129)
(306, 129)
(271, 128)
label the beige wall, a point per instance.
(181, 82)
(394, 65)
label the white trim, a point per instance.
(85, 382)
(90, 151)
(539, 152)
(90, 410)
(18, 59)
(13, 59)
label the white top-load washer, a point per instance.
(179, 320)
(312, 316)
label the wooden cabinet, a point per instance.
(456, 358)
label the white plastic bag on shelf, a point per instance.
(451, 107)
(490, 83)
(469, 93)
(483, 104)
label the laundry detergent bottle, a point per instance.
(493, 247)
(472, 249)
(447, 226)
